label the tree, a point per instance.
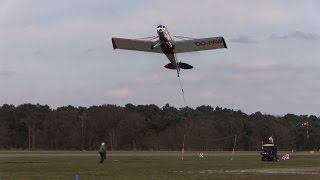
(148, 127)
(33, 117)
(7, 120)
(131, 129)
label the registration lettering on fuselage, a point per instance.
(210, 42)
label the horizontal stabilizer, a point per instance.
(181, 65)
(170, 66)
(185, 66)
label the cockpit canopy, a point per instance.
(161, 28)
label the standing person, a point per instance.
(271, 139)
(103, 152)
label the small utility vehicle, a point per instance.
(269, 152)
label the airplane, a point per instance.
(166, 45)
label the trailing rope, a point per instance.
(185, 118)
(182, 90)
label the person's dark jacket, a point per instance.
(103, 149)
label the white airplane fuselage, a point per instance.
(167, 47)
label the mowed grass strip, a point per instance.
(157, 165)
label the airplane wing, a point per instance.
(135, 45)
(199, 44)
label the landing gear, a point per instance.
(155, 45)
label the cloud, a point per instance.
(118, 93)
(304, 36)
(257, 74)
(75, 47)
(256, 65)
(243, 39)
(67, 31)
(248, 66)
(150, 79)
(6, 73)
(278, 37)
(296, 35)
(192, 77)
(268, 65)
(207, 94)
(93, 49)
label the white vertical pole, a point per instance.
(184, 137)
(234, 146)
(182, 153)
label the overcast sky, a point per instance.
(59, 53)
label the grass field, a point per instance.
(155, 165)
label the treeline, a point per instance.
(149, 127)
